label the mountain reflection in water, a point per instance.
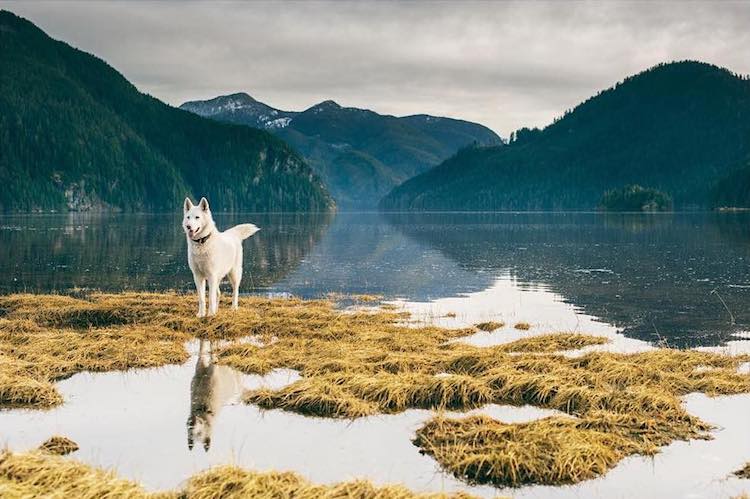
(680, 278)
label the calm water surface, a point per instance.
(679, 278)
(636, 279)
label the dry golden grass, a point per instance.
(364, 298)
(744, 472)
(554, 343)
(47, 338)
(553, 450)
(489, 326)
(234, 483)
(522, 326)
(58, 445)
(360, 363)
(37, 474)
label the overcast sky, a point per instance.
(502, 64)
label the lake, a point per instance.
(680, 279)
(638, 280)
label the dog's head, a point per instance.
(197, 218)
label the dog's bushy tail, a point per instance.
(243, 231)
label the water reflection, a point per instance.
(672, 277)
(213, 386)
(682, 278)
(43, 253)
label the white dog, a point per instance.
(212, 254)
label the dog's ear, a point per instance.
(203, 204)
(188, 204)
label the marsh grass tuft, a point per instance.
(522, 326)
(365, 298)
(489, 326)
(744, 472)
(58, 445)
(550, 343)
(364, 362)
(234, 483)
(37, 474)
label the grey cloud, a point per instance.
(503, 64)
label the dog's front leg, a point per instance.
(213, 296)
(200, 286)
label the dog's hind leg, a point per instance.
(235, 276)
(200, 286)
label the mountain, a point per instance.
(361, 155)
(76, 135)
(680, 128)
(242, 109)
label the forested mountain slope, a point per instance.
(76, 135)
(680, 128)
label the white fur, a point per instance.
(219, 256)
(213, 386)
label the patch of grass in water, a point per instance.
(522, 326)
(554, 343)
(235, 483)
(489, 326)
(37, 474)
(58, 445)
(744, 472)
(365, 298)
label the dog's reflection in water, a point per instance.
(213, 386)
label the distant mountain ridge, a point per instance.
(247, 111)
(76, 135)
(682, 128)
(360, 154)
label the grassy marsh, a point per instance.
(38, 474)
(365, 362)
